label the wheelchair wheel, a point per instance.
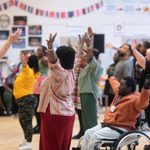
(132, 141)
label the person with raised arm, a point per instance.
(56, 105)
(11, 39)
(125, 66)
(25, 99)
(143, 61)
(88, 85)
(123, 112)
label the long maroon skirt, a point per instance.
(55, 131)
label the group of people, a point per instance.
(127, 104)
(72, 81)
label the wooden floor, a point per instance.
(11, 133)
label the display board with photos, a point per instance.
(21, 43)
(35, 30)
(31, 34)
(34, 41)
(20, 20)
(4, 34)
(14, 29)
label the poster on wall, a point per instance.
(4, 34)
(35, 30)
(20, 20)
(109, 8)
(4, 21)
(14, 29)
(119, 29)
(138, 39)
(34, 41)
(144, 1)
(21, 43)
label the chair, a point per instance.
(134, 140)
(126, 141)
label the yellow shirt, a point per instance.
(24, 82)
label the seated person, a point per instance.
(122, 115)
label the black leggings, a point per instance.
(2, 101)
(37, 114)
(78, 111)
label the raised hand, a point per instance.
(134, 44)
(147, 82)
(13, 37)
(109, 45)
(24, 60)
(87, 41)
(69, 42)
(81, 41)
(51, 40)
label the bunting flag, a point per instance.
(66, 14)
(51, 14)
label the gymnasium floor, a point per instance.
(11, 133)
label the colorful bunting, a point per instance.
(5, 5)
(51, 14)
(63, 14)
(70, 14)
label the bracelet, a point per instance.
(50, 49)
(89, 47)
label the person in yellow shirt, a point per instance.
(25, 99)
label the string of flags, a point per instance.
(106, 7)
(49, 13)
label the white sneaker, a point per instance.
(23, 142)
(27, 146)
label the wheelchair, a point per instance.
(126, 141)
(134, 140)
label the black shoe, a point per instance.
(36, 130)
(78, 136)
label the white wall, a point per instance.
(101, 22)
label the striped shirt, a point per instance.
(56, 90)
(76, 94)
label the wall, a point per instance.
(101, 22)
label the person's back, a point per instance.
(56, 105)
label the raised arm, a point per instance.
(89, 49)
(24, 60)
(109, 45)
(139, 57)
(79, 47)
(52, 58)
(114, 84)
(145, 93)
(12, 38)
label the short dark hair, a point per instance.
(33, 63)
(66, 56)
(130, 48)
(130, 82)
(146, 44)
(95, 53)
(44, 49)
